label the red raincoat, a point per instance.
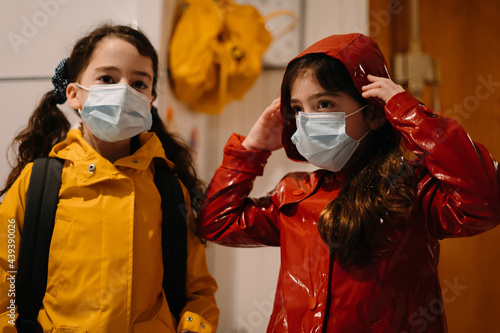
(457, 195)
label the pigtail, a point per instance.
(47, 126)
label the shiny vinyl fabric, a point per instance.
(457, 195)
(105, 264)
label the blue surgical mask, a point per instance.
(115, 112)
(321, 139)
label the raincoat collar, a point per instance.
(94, 168)
(298, 186)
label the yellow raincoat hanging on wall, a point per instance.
(215, 53)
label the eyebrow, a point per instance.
(116, 69)
(319, 95)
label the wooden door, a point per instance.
(464, 37)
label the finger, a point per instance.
(373, 78)
(367, 94)
(368, 87)
(277, 103)
(373, 92)
(371, 86)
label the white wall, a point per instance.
(328, 17)
(247, 277)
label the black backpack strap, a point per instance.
(41, 205)
(174, 238)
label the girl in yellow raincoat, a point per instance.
(105, 266)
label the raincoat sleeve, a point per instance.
(229, 216)
(11, 223)
(458, 189)
(200, 313)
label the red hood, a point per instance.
(360, 55)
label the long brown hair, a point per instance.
(378, 195)
(48, 125)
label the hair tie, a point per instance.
(60, 82)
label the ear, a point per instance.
(374, 117)
(72, 96)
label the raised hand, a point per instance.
(381, 87)
(266, 132)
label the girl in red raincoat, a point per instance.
(359, 237)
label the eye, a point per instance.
(139, 85)
(296, 109)
(325, 105)
(106, 79)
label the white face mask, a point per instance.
(322, 140)
(115, 112)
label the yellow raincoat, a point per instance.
(215, 53)
(105, 264)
